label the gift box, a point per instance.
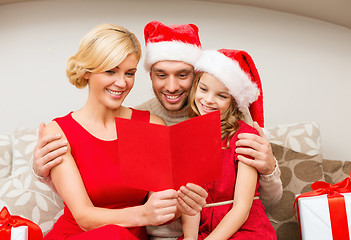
(19, 233)
(325, 212)
(17, 228)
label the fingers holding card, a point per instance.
(192, 198)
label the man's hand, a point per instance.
(47, 153)
(192, 198)
(258, 148)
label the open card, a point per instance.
(155, 157)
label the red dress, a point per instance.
(257, 225)
(97, 161)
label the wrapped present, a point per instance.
(16, 227)
(325, 212)
(19, 233)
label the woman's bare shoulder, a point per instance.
(52, 128)
(156, 119)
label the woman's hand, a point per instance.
(47, 153)
(160, 208)
(192, 198)
(258, 148)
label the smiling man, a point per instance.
(171, 53)
(171, 81)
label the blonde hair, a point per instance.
(101, 49)
(229, 119)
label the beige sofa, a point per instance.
(296, 147)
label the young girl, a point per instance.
(227, 81)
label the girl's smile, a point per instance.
(207, 108)
(211, 95)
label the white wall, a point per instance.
(304, 63)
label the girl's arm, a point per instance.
(190, 226)
(245, 186)
(160, 207)
(259, 150)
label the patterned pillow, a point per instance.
(31, 199)
(336, 171)
(22, 192)
(5, 155)
(300, 137)
(298, 172)
(297, 149)
(24, 141)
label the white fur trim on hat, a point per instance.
(175, 50)
(231, 75)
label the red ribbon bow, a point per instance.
(336, 202)
(7, 221)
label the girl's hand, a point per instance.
(192, 198)
(161, 207)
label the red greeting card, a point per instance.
(155, 157)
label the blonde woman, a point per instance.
(97, 206)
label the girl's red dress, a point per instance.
(97, 161)
(257, 225)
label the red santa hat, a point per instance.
(174, 42)
(237, 71)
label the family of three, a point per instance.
(75, 154)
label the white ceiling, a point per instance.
(333, 11)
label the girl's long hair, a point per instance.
(229, 119)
